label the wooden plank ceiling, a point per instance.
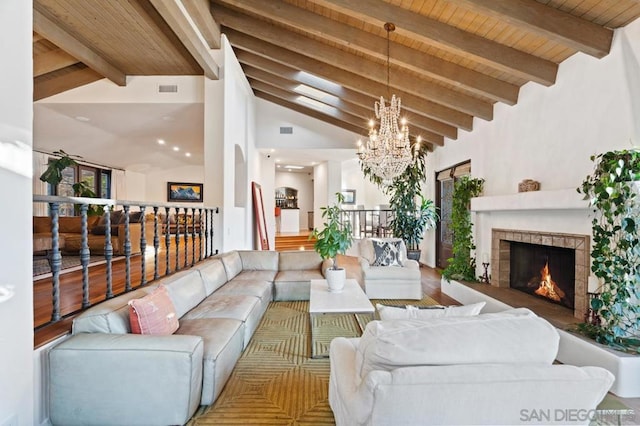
(449, 60)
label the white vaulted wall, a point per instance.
(549, 136)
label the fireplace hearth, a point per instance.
(549, 266)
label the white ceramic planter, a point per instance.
(335, 279)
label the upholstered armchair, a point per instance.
(386, 271)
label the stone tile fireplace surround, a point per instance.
(501, 255)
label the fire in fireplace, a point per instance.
(544, 271)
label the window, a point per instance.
(97, 180)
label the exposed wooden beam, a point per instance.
(61, 38)
(417, 124)
(373, 45)
(554, 24)
(358, 130)
(344, 78)
(51, 61)
(174, 16)
(45, 87)
(254, 64)
(398, 78)
(274, 86)
(439, 34)
(200, 12)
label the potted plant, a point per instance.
(335, 238)
(53, 176)
(613, 191)
(412, 213)
(462, 266)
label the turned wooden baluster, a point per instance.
(156, 243)
(186, 237)
(193, 245)
(55, 261)
(127, 249)
(167, 241)
(108, 251)
(84, 255)
(143, 248)
(177, 238)
(200, 234)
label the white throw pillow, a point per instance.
(428, 312)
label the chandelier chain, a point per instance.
(387, 152)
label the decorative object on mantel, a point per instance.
(528, 185)
(387, 152)
(462, 266)
(613, 190)
(334, 239)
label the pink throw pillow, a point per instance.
(153, 314)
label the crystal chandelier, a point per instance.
(387, 152)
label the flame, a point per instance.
(548, 288)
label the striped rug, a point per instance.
(275, 382)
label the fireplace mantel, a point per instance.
(560, 199)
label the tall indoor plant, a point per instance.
(462, 265)
(412, 213)
(335, 238)
(613, 192)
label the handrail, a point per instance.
(173, 221)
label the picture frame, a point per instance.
(185, 192)
(349, 196)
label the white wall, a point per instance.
(367, 193)
(136, 184)
(303, 182)
(16, 313)
(549, 136)
(155, 189)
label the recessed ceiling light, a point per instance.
(82, 118)
(175, 148)
(187, 154)
(294, 167)
(160, 141)
(278, 166)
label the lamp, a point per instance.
(387, 152)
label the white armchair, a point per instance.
(386, 271)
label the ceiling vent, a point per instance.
(286, 130)
(168, 88)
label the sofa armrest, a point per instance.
(411, 264)
(364, 263)
(158, 379)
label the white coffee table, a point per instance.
(351, 300)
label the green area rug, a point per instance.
(275, 381)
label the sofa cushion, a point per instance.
(427, 312)
(255, 276)
(223, 341)
(253, 260)
(213, 274)
(111, 316)
(513, 336)
(260, 289)
(299, 260)
(232, 263)
(153, 313)
(387, 253)
(186, 290)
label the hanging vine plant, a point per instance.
(462, 266)
(612, 190)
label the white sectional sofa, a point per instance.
(487, 369)
(105, 375)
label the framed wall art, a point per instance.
(349, 196)
(182, 192)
